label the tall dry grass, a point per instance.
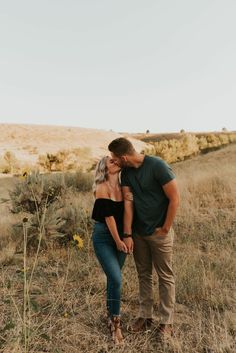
(67, 295)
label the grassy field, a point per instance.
(63, 307)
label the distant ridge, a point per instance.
(27, 142)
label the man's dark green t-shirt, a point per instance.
(150, 201)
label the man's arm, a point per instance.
(128, 217)
(172, 193)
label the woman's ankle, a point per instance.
(116, 330)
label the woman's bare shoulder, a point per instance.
(102, 191)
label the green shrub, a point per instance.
(34, 193)
(79, 180)
(51, 205)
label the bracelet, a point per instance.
(126, 235)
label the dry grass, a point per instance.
(67, 297)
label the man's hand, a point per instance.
(129, 244)
(161, 231)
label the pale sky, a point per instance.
(126, 65)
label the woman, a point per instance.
(107, 237)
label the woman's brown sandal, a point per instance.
(115, 328)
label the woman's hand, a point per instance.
(121, 246)
(129, 196)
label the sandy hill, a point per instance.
(27, 142)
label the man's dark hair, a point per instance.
(121, 146)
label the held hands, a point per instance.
(129, 244)
(121, 246)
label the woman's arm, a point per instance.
(111, 224)
(103, 192)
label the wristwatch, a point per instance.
(126, 235)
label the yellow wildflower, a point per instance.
(80, 242)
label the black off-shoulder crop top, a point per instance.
(106, 207)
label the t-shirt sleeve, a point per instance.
(163, 172)
(124, 180)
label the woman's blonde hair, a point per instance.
(101, 172)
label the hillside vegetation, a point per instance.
(178, 147)
(53, 290)
(24, 148)
(53, 148)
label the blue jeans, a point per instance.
(112, 261)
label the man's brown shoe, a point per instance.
(165, 330)
(140, 325)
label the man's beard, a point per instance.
(125, 164)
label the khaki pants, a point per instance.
(155, 250)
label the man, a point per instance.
(155, 201)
